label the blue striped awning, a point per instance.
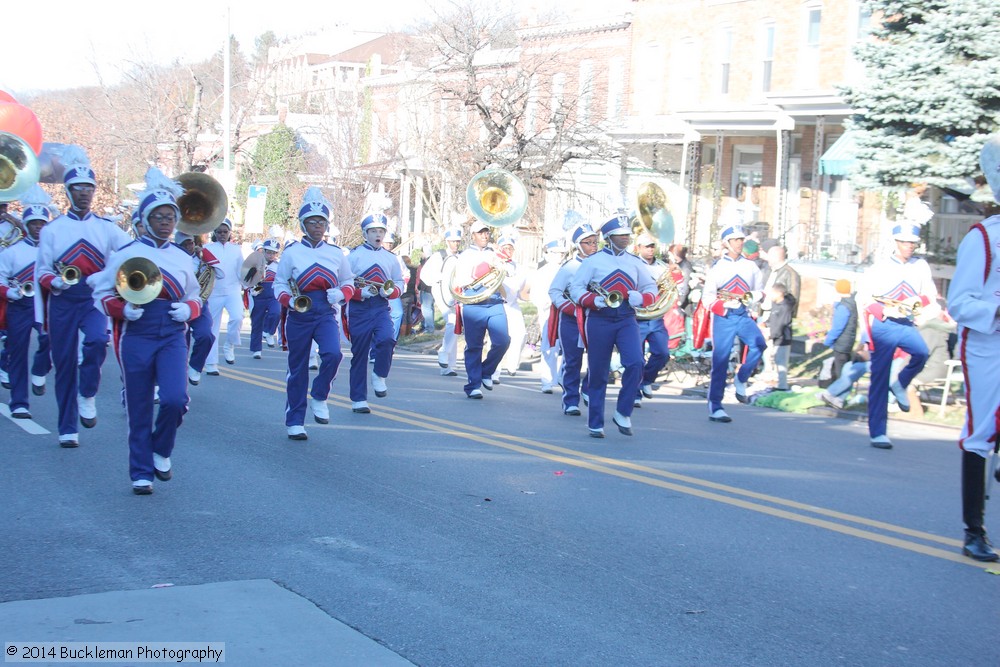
(839, 158)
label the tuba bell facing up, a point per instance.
(497, 197)
(19, 167)
(653, 213)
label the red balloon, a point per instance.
(21, 121)
(7, 97)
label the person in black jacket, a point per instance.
(844, 328)
(780, 331)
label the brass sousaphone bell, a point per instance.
(497, 197)
(203, 205)
(19, 167)
(138, 280)
(654, 216)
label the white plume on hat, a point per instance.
(314, 203)
(77, 166)
(989, 162)
(36, 204)
(160, 191)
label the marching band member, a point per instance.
(199, 337)
(486, 316)
(732, 286)
(436, 272)
(226, 295)
(603, 278)
(77, 242)
(319, 271)
(515, 318)
(974, 302)
(149, 339)
(652, 332)
(538, 292)
(17, 273)
(567, 330)
(265, 310)
(893, 290)
(369, 323)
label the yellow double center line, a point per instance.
(855, 526)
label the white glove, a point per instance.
(58, 284)
(368, 291)
(14, 294)
(180, 312)
(635, 298)
(732, 303)
(384, 293)
(132, 312)
(600, 302)
(335, 296)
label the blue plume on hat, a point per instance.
(571, 219)
(314, 203)
(36, 204)
(160, 191)
(77, 166)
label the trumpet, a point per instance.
(27, 290)
(613, 299)
(908, 307)
(69, 273)
(300, 302)
(387, 286)
(746, 298)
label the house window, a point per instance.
(767, 57)
(725, 51)
(530, 108)
(686, 71)
(809, 61)
(616, 94)
(558, 86)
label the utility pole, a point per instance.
(226, 70)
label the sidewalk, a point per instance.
(260, 623)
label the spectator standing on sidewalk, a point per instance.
(844, 329)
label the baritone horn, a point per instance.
(203, 205)
(497, 197)
(613, 299)
(666, 296)
(138, 280)
(483, 287)
(11, 237)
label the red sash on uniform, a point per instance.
(281, 324)
(458, 320)
(701, 325)
(581, 323)
(3, 314)
(553, 332)
(344, 323)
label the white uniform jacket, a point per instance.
(85, 243)
(892, 278)
(559, 288)
(230, 256)
(735, 276)
(17, 265)
(622, 273)
(313, 268)
(179, 282)
(375, 266)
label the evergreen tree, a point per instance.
(277, 159)
(931, 94)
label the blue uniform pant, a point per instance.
(263, 319)
(200, 339)
(725, 330)
(572, 362)
(70, 313)
(20, 323)
(153, 353)
(371, 330)
(654, 333)
(477, 320)
(888, 335)
(301, 329)
(606, 331)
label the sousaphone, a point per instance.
(203, 205)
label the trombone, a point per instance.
(613, 299)
(69, 273)
(300, 302)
